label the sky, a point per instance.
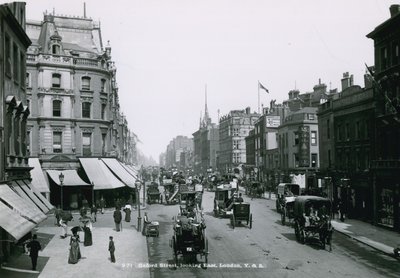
(167, 52)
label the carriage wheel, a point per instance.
(251, 221)
(296, 231)
(233, 221)
(302, 236)
(283, 217)
(175, 251)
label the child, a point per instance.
(111, 248)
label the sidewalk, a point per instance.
(131, 250)
(376, 237)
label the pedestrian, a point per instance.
(34, 247)
(111, 248)
(87, 240)
(93, 212)
(145, 223)
(57, 214)
(342, 210)
(102, 205)
(74, 251)
(117, 218)
(127, 210)
(64, 228)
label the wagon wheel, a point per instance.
(251, 221)
(175, 251)
(204, 265)
(283, 216)
(233, 221)
(302, 236)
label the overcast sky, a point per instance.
(166, 51)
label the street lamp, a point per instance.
(139, 218)
(61, 177)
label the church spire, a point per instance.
(206, 119)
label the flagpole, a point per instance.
(258, 88)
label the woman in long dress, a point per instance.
(74, 252)
(88, 236)
(127, 210)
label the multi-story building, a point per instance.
(206, 145)
(298, 146)
(73, 97)
(386, 160)
(233, 129)
(346, 135)
(22, 206)
(175, 147)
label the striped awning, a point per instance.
(71, 178)
(99, 174)
(11, 221)
(116, 167)
(37, 175)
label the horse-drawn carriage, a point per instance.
(222, 201)
(241, 213)
(312, 219)
(287, 210)
(189, 240)
(170, 192)
(153, 193)
(255, 189)
(285, 190)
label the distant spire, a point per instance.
(200, 120)
(84, 9)
(206, 116)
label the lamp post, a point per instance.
(61, 177)
(139, 218)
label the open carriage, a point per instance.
(312, 219)
(189, 240)
(285, 190)
(255, 189)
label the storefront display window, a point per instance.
(386, 213)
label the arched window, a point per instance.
(86, 83)
(57, 108)
(56, 80)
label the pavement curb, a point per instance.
(365, 243)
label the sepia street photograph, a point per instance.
(199, 138)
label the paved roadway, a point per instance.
(267, 250)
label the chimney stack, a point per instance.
(347, 81)
(394, 10)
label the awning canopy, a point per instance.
(116, 167)
(26, 193)
(37, 194)
(71, 178)
(14, 223)
(20, 205)
(99, 174)
(130, 171)
(38, 179)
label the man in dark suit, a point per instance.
(117, 218)
(34, 247)
(111, 248)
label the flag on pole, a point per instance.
(262, 87)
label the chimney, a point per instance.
(394, 10)
(347, 81)
(248, 110)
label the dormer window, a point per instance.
(56, 49)
(86, 83)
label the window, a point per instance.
(86, 109)
(28, 103)
(103, 111)
(296, 160)
(103, 143)
(8, 55)
(15, 63)
(103, 85)
(28, 80)
(22, 70)
(314, 160)
(395, 53)
(57, 141)
(235, 131)
(56, 108)
(383, 58)
(296, 138)
(86, 144)
(56, 49)
(56, 80)
(236, 157)
(28, 142)
(329, 159)
(313, 138)
(85, 83)
(328, 129)
(311, 116)
(235, 144)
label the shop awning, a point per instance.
(116, 167)
(71, 178)
(130, 170)
(26, 193)
(37, 194)
(14, 223)
(20, 205)
(38, 179)
(99, 174)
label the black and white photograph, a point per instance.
(199, 138)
